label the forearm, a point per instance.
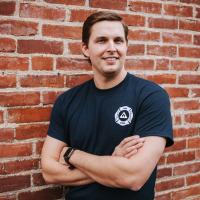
(111, 171)
(57, 173)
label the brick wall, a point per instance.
(40, 57)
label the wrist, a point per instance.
(67, 155)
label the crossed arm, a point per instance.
(124, 170)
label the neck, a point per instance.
(106, 82)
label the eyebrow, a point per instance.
(105, 38)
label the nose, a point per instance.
(111, 46)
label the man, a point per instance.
(106, 135)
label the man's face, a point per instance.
(106, 48)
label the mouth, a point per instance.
(110, 59)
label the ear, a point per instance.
(85, 50)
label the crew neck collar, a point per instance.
(112, 88)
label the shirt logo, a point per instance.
(124, 115)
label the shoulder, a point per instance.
(73, 92)
(145, 88)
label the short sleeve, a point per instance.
(56, 126)
(154, 116)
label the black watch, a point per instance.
(67, 156)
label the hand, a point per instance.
(61, 159)
(128, 146)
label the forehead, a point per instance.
(107, 29)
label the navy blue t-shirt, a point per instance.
(96, 121)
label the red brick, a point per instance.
(189, 79)
(195, 92)
(162, 78)
(163, 23)
(12, 167)
(47, 193)
(192, 25)
(80, 15)
(193, 118)
(186, 105)
(7, 196)
(161, 50)
(186, 169)
(6, 134)
(162, 160)
(133, 20)
(42, 63)
(145, 7)
(164, 172)
(181, 157)
(67, 2)
(177, 38)
(191, 1)
(29, 131)
(43, 12)
(170, 184)
(189, 52)
(1, 116)
(177, 120)
(15, 183)
(7, 8)
(184, 65)
(7, 45)
(55, 81)
(23, 115)
(139, 64)
(193, 179)
(74, 80)
(178, 145)
(19, 98)
(13, 150)
(144, 35)
(49, 97)
(177, 92)
(163, 197)
(197, 39)
(186, 192)
(136, 49)
(13, 63)
(39, 146)
(107, 4)
(162, 64)
(197, 12)
(194, 142)
(39, 46)
(18, 28)
(75, 48)
(197, 154)
(72, 64)
(38, 180)
(176, 10)
(57, 31)
(7, 81)
(185, 132)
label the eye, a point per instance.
(101, 40)
(119, 40)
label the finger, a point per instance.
(130, 154)
(128, 139)
(133, 142)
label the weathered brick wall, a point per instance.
(40, 57)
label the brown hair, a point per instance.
(97, 17)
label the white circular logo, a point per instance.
(124, 115)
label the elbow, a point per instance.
(135, 186)
(131, 183)
(47, 178)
